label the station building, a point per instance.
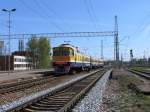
(19, 60)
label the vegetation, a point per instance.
(145, 69)
(131, 100)
(40, 50)
(143, 62)
(44, 49)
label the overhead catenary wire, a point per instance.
(124, 38)
(55, 14)
(42, 15)
(93, 13)
(90, 13)
(46, 14)
(142, 24)
(96, 24)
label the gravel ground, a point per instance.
(118, 97)
(5, 77)
(9, 97)
(92, 101)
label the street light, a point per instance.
(9, 12)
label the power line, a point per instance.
(47, 15)
(93, 12)
(39, 14)
(54, 13)
(126, 37)
(102, 56)
(89, 13)
(142, 24)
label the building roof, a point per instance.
(22, 53)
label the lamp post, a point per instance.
(9, 14)
(5, 56)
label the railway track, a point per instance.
(23, 84)
(141, 73)
(62, 99)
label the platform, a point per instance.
(4, 76)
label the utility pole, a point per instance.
(144, 57)
(121, 60)
(9, 14)
(102, 56)
(116, 44)
(5, 56)
(21, 45)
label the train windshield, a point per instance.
(62, 51)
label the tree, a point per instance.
(44, 49)
(149, 61)
(33, 48)
(39, 49)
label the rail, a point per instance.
(67, 92)
(140, 73)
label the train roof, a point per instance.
(68, 45)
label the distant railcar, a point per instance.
(68, 59)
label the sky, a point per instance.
(57, 16)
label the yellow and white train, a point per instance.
(67, 59)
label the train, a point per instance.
(68, 59)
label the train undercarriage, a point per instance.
(72, 69)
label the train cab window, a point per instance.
(56, 53)
(63, 52)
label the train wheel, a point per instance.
(73, 72)
(83, 69)
(88, 69)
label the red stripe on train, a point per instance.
(59, 63)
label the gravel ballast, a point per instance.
(93, 99)
(25, 99)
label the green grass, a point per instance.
(140, 68)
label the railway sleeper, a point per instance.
(64, 92)
(58, 98)
(48, 102)
(56, 101)
(30, 110)
(48, 105)
(63, 103)
(76, 89)
(34, 108)
(21, 85)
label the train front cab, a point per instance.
(62, 59)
